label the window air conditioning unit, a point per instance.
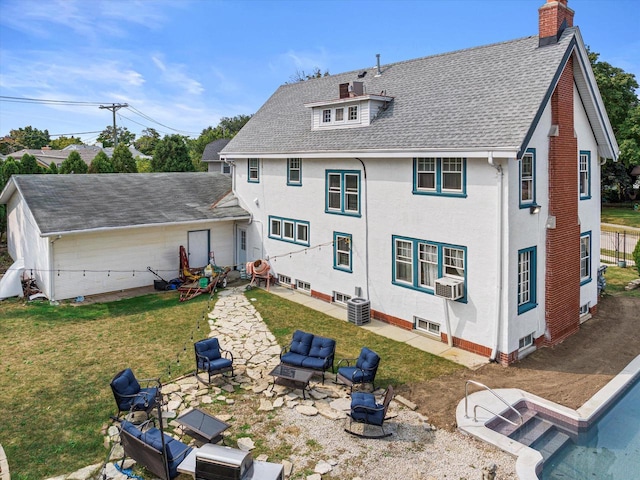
(449, 288)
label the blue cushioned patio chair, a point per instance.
(365, 410)
(130, 396)
(211, 359)
(362, 371)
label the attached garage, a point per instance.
(90, 234)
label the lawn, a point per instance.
(57, 362)
(623, 216)
(618, 278)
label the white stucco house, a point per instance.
(458, 193)
(88, 234)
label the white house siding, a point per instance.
(392, 208)
(24, 241)
(527, 230)
(97, 262)
(589, 210)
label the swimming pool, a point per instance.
(609, 449)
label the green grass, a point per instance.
(56, 365)
(618, 278)
(623, 216)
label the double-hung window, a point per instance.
(294, 171)
(253, 170)
(417, 264)
(526, 279)
(343, 192)
(439, 176)
(527, 178)
(585, 174)
(342, 251)
(289, 230)
(585, 258)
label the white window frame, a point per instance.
(585, 257)
(426, 170)
(525, 342)
(353, 113)
(342, 197)
(326, 115)
(303, 286)
(584, 174)
(527, 177)
(430, 327)
(294, 167)
(342, 251)
(289, 230)
(527, 279)
(253, 170)
(341, 298)
(439, 168)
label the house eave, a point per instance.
(147, 225)
(479, 152)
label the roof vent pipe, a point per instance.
(378, 62)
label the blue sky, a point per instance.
(184, 64)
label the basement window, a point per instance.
(525, 342)
(284, 280)
(427, 326)
(341, 298)
(303, 286)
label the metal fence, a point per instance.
(617, 247)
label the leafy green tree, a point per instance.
(147, 141)
(143, 165)
(232, 125)
(73, 164)
(9, 167)
(122, 160)
(62, 141)
(53, 168)
(618, 90)
(123, 135)
(227, 128)
(636, 256)
(29, 137)
(172, 155)
(100, 164)
(29, 164)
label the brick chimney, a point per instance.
(553, 17)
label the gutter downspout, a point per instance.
(498, 322)
(366, 226)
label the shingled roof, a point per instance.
(479, 98)
(212, 150)
(73, 203)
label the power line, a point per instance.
(45, 101)
(74, 133)
(114, 107)
(147, 117)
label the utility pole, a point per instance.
(114, 107)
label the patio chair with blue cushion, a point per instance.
(362, 371)
(211, 359)
(130, 396)
(365, 410)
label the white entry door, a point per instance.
(198, 248)
(242, 246)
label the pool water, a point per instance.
(608, 450)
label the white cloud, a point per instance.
(174, 74)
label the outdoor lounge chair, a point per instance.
(210, 358)
(362, 371)
(130, 396)
(366, 411)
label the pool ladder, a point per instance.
(475, 408)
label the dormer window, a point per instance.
(339, 114)
(353, 113)
(326, 116)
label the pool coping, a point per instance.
(529, 460)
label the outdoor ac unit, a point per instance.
(449, 288)
(358, 311)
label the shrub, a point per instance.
(636, 256)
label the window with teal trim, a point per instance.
(342, 192)
(294, 171)
(528, 179)
(526, 279)
(440, 176)
(417, 264)
(585, 258)
(253, 170)
(585, 174)
(342, 251)
(289, 230)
